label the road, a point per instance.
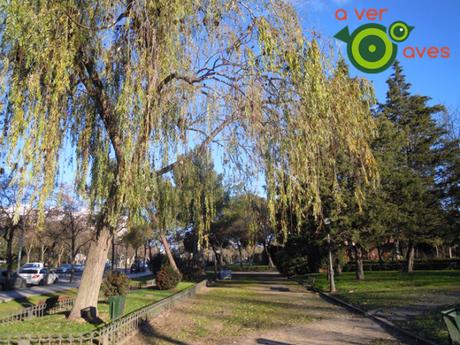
(62, 285)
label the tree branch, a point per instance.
(199, 149)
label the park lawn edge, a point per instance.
(60, 325)
(428, 326)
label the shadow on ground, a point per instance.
(150, 335)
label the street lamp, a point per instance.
(330, 268)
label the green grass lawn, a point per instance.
(394, 292)
(18, 304)
(58, 324)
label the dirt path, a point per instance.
(260, 309)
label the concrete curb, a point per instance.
(381, 320)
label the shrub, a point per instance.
(167, 278)
(289, 265)
(190, 269)
(156, 262)
(115, 284)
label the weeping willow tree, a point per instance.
(132, 90)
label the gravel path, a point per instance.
(319, 322)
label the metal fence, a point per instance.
(24, 314)
(109, 334)
(48, 307)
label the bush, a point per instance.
(167, 278)
(190, 269)
(115, 284)
(420, 264)
(156, 262)
(289, 265)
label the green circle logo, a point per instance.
(370, 48)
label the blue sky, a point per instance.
(436, 24)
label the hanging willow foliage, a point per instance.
(133, 90)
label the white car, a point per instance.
(38, 276)
(33, 265)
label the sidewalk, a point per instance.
(62, 285)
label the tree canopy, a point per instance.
(132, 90)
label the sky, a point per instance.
(436, 24)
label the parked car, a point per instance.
(138, 266)
(16, 281)
(64, 268)
(38, 276)
(79, 268)
(33, 265)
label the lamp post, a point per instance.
(330, 268)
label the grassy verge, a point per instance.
(58, 324)
(411, 300)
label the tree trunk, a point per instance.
(42, 254)
(450, 252)
(359, 262)
(437, 251)
(9, 253)
(216, 268)
(113, 252)
(267, 252)
(29, 250)
(126, 259)
(91, 280)
(169, 255)
(410, 258)
(397, 251)
(241, 255)
(338, 267)
(380, 254)
(330, 268)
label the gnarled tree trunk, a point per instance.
(91, 280)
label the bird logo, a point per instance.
(371, 48)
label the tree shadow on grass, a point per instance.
(149, 334)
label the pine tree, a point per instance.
(411, 184)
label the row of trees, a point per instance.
(66, 232)
(416, 203)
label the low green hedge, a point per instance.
(420, 264)
(251, 268)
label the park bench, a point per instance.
(451, 318)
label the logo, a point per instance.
(373, 49)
